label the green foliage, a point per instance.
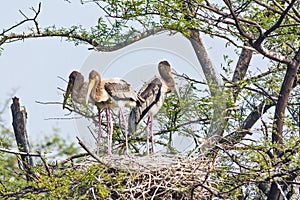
(65, 183)
(255, 163)
(13, 179)
(54, 143)
(76, 183)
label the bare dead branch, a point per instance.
(27, 19)
(19, 115)
(18, 152)
(20, 11)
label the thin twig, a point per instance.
(45, 164)
(80, 142)
(49, 103)
(74, 157)
(62, 79)
(18, 152)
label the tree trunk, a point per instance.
(19, 124)
(283, 98)
(215, 85)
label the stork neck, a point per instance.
(169, 81)
(78, 83)
(99, 92)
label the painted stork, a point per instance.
(77, 88)
(153, 92)
(110, 93)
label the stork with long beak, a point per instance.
(77, 88)
(153, 93)
(110, 93)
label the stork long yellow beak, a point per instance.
(69, 89)
(91, 85)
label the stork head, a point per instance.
(94, 80)
(165, 72)
(74, 76)
(164, 69)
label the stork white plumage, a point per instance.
(110, 93)
(153, 93)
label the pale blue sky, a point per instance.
(32, 66)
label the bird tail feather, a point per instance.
(132, 121)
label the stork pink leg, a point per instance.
(109, 131)
(107, 127)
(99, 132)
(111, 125)
(148, 135)
(151, 132)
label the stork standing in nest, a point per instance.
(110, 93)
(153, 92)
(77, 88)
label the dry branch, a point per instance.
(18, 152)
(19, 124)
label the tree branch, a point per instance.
(251, 119)
(283, 98)
(15, 37)
(213, 78)
(18, 152)
(264, 35)
(90, 152)
(25, 20)
(241, 69)
(237, 21)
(143, 35)
(214, 81)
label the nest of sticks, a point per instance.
(158, 176)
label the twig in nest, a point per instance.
(89, 152)
(74, 157)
